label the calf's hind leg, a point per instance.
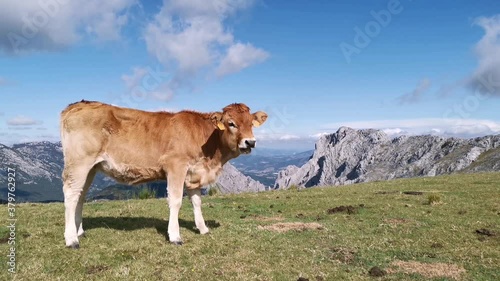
(79, 207)
(74, 182)
(175, 188)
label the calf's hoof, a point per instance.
(74, 246)
(176, 243)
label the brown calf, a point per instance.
(187, 148)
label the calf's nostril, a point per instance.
(250, 143)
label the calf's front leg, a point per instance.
(195, 197)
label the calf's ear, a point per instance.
(259, 118)
(216, 119)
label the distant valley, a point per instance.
(264, 164)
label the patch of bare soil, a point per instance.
(486, 232)
(343, 255)
(428, 270)
(291, 226)
(413, 192)
(94, 269)
(345, 209)
(386, 192)
(376, 272)
(437, 246)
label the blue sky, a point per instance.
(406, 67)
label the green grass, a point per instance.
(146, 193)
(487, 159)
(433, 199)
(126, 240)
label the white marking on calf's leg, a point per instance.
(175, 189)
(71, 197)
(74, 183)
(195, 197)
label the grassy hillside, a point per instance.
(488, 160)
(337, 234)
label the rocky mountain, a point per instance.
(264, 164)
(233, 181)
(39, 167)
(352, 156)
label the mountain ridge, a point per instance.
(344, 157)
(352, 156)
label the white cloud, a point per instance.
(284, 141)
(166, 109)
(416, 95)
(189, 36)
(56, 24)
(20, 128)
(395, 131)
(22, 120)
(240, 56)
(11, 138)
(164, 93)
(447, 89)
(287, 140)
(289, 137)
(318, 135)
(135, 78)
(146, 82)
(188, 44)
(435, 126)
(486, 77)
(108, 27)
(15, 138)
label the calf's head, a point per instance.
(236, 125)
